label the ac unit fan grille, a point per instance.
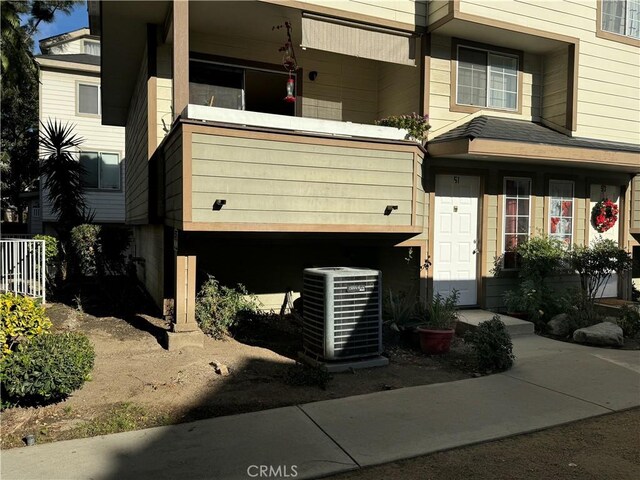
(355, 314)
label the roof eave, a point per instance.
(504, 150)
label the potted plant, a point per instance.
(438, 324)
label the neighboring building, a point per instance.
(70, 92)
(534, 109)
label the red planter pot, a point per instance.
(435, 342)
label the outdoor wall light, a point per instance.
(313, 75)
(389, 209)
(219, 203)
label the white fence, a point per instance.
(22, 267)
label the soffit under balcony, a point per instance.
(123, 29)
(502, 34)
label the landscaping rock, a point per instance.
(559, 325)
(221, 369)
(605, 333)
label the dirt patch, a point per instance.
(137, 383)
(603, 448)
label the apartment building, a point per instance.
(70, 93)
(534, 108)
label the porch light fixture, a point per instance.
(219, 203)
(389, 209)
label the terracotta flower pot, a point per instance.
(435, 342)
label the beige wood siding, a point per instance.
(269, 181)
(412, 12)
(68, 48)
(149, 245)
(440, 115)
(554, 87)
(438, 9)
(635, 205)
(173, 168)
(137, 180)
(58, 94)
(398, 90)
(609, 71)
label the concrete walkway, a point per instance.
(552, 383)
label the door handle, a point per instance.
(475, 250)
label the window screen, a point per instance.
(88, 99)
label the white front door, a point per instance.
(599, 192)
(456, 236)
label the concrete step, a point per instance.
(470, 319)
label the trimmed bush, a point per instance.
(46, 369)
(220, 308)
(50, 247)
(87, 248)
(492, 346)
(629, 321)
(21, 318)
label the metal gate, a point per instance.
(22, 267)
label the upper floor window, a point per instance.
(621, 17)
(89, 98)
(101, 170)
(487, 79)
(91, 47)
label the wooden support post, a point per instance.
(185, 296)
(180, 40)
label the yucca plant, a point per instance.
(63, 172)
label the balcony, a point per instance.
(229, 170)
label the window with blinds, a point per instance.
(487, 79)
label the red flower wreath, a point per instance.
(604, 215)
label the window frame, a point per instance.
(503, 220)
(100, 151)
(88, 84)
(607, 35)
(573, 209)
(454, 106)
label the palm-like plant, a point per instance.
(63, 172)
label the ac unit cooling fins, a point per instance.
(342, 313)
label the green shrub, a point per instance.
(417, 125)
(50, 247)
(220, 308)
(47, 368)
(21, 318)
(399, 309)
(87, 249)
(100, 250)
(596, 263)
(538, 258)
(492, 346)
(629, 321)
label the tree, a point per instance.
(63, 173)
(19, 94)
